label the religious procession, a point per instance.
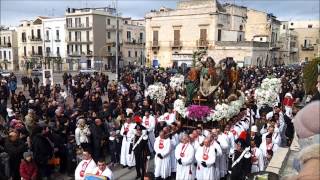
(212, 121)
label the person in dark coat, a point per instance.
(99, 136)
(15, 148)
(141, 151)
(42, 150)
(241, 161)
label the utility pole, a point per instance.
(117, 42)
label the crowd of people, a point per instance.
(74, 127)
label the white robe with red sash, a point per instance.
(127, 157)
(185, 152)
(83, 168)
(257, 160)
(150, 124)
(207, 155)
(106, 173)
(162, 166)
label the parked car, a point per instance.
(36, 72)
(5, 73)
(88, 71)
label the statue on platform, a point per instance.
(208, 84)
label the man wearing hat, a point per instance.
(255, 136)
(241, 161)
(141, 150)
(128, 132)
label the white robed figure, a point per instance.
(162, 148)
(174, 142)
(128, 132)
(256, 159)
(184, 154)
(149, 122)
(103, 170)
(223, 141)
(218, 151)
(206, 157)
(86, 166)
(268, 148)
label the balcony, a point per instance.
(155, 44)
(307, 47)
(6, 45)
(57, 40)
(176, 44)
(202, 43)
(79, 27)
(75, 54)
(35, 38)
(293, 50)
(47, 40)
(78, 42)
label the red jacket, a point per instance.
(28, 170)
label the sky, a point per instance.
(13, 11)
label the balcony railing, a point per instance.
(307, 48)
(202, 43)
(6, 45)
(80, 26)
(176, 44)
(57, 40)
(35, 39)
(155, 44)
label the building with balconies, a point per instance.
(8, 49)
(91, 38)
(308, 38)
(173, 35)
(30, 43)
(55, 46)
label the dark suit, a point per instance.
(141, 152)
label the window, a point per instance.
(305, 43)
(47, 35)
(76, 48)
(76, 35)
(310, 26)
(9, 53)
(129, 35)
(88, 49)
(0, 54)
(241, 28)
(23, 37)
(108, 21)
(58, 51)
(141, 37)
(283, 26)
(109, 35)
(88, 38)
(109, 48)
(260, 39)
(79, 36)
(32, 50)
(71, 48)
(32, 34)
(57, 35)
(129, 53)
(87, 21)
(203, 34)
(155, 36)
(69, 22)
(4, 54)
(292, 24)
(25, 51)
(136, 54)
(40, 50)
(9, 40)
(47, 51)
(69, 36)
(68, 50)
(240, 37)
(4, 40)
(125, 22)
(81, 49)
(176, 37)
(38, 33)
(78, 22)
(219, 34)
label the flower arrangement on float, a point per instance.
(267, 93)
(156, 91)
(221, 111)
(177, 82)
